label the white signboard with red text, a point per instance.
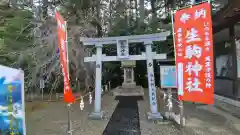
(194, 53)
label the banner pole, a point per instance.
(170, 108)
(23, 101)
(180, 102)
(42, 93)
(67, 48)
(173, 32)
(68, 105)
(69, 132)
(181, 117)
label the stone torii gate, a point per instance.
(122, 43)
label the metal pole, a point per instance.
(68, 105)
(69, 132)
(42, 93)
(180, 103)
(31, 95)
(202, 1)
(173, 32)
(181, 117)
(194, 1)
(170, 103)
(67, 49)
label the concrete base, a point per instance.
(154, 116)
(174, 117)
(232, 102)
(129, 85)
(228, 105)
(128, 91)
(97, 116)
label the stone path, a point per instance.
(125, 119)
(52, 119)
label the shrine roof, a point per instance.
(226, 16)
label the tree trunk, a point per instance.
(136, 8)
(173, 5)
(142, 14)
(136, 13)
(154, 15)
(45, 9)
(99, 26)
(110, 15)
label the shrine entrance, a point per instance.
(128, 75)
(128, 72)
(122, 44)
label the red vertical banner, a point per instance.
(62, 45)
(194, 54)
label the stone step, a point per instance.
(128, 94)
(122, 91)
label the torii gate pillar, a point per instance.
(97, 113)
(153, 114)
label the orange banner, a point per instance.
(194, 54)
(62, 45)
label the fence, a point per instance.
(32, 96)
(106, 87)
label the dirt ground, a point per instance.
(50, 118)
(205, 120)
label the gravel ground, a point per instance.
(203, 120)
(51, 119)
(150, 128)
(199, 121)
